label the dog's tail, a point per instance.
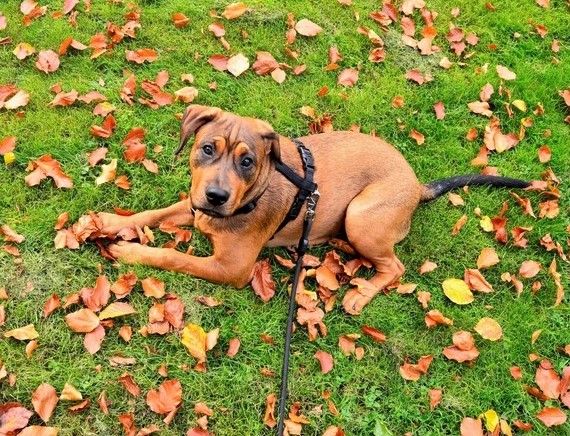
(439, 187)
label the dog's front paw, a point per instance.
(127, 252)
(355, 299)
(113, 224)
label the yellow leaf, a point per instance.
(23, 333)
(457, 291)
(114, 310)
(489, 329)
(194, 339)
(486, 224)
(520, 105)
(69, 393)
(491, 420)
(9, 158)
(506, 428)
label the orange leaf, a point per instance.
(505, 74)
(51, 304)
(44, 167)
(262, 281)
(129, 384)
(306, 27)
(459, 225)
(435, 396)
(480, 107)
(68, 6)
(529, 269)
(427, 267)
(93, 340)
(219, 62)
(551, 416)
(487, 258)
(269, 417)
(435, 317)
(166, 399)
(326, 278)
(44, 400)
(413, 372)
(21, 98)
(376, 335)
(489, 329)
(180, 20)
(516, 372)
(10, 235)
(82, 321)
(153, 287)
(7, 144)
(348, 77)
(439, 110)
(417, 136)
(22, 333)
(96, 298)
(476, 281)
(234, 10)
(233, 347)
(471, 427)
(326, 361)
(141, 55)
(547, 379)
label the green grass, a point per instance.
(365, 392)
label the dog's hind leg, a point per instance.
(377, 219)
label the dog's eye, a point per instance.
(208, 149)
(246, 162)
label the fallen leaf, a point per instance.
(129, 384)
(457, 291)
(487, 258)
(21, 98)
(194, 339)
(417, 136)
(142, 55)
(48, 61)
(115, 310)
(166, 398)
(219, 62)
(233, 347)
(237, 64)
(413, 372)
(10, 235)
(180, 20)
(306, 27)
(489, 329)
(186, 95)
(22, 333)
(44, 400)
(269, 417)
(153, 287)
(234, 10)
(51, 304)
(23, 50)
(476, 281)
(439, 110)
(435, 317)
(427, 267)
(44, 167)
(505, 74)
(348, 77)
(326, 361)
(82, 321)
(70, 393)
(551, 416)
(262, 281)
(435, 396)
(481, 108)
(547, 379)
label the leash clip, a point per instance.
(312, 205)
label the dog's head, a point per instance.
(231, 158)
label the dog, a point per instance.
(238, 199)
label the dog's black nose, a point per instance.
(217, 196)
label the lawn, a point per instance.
(368, 396)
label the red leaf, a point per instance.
(233, 347)
(64, 99)
(413, 372)
(219, 62)
(68, 6)
(262, 281)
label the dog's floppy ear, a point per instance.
(271, 139)
(195, 117)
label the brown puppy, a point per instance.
(367, 189)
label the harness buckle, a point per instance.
(312, 205)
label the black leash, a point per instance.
(301, 250)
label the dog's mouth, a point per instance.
(211, 212)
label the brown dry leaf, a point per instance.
(427, 267)
(153, 287)
(115, 310)
(208, 301)
(551, 416)
(269, 417)
(439, 110)
(476, 281)
(142, 55)
(417, 136)
(234, 10)
(82, 321)
(529, 269)
(306, 27)
(10, 235)
(348, 77)
(416, 76)
(435, 396)
(376, 335)
(505, 74)
(166, 399)
(96, 298)
(327, 278)
(413, 372)
(265, 63)
(233, 347)
(93, 340)
(219, 62)
(129, 384)
(516, 372)
(237, 64)
(186, 94)
(64, 98)
(547, 379)
(180, 20)
(48, 61)
(459, 225)
(435, 317)
(463, 348)
(326, 361)
(489, 329)
(480, 107)
(51, 304)
(108, 172)
(406, 288)
(22, 333)
(347, 343)
(124, 285)
(44, 400)
(70, 393)
(487, 258)
(552, 270)
(44, 167)
(471, 427)
(544, 154)
(7, 144)
(262, 281)
(23, 50)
